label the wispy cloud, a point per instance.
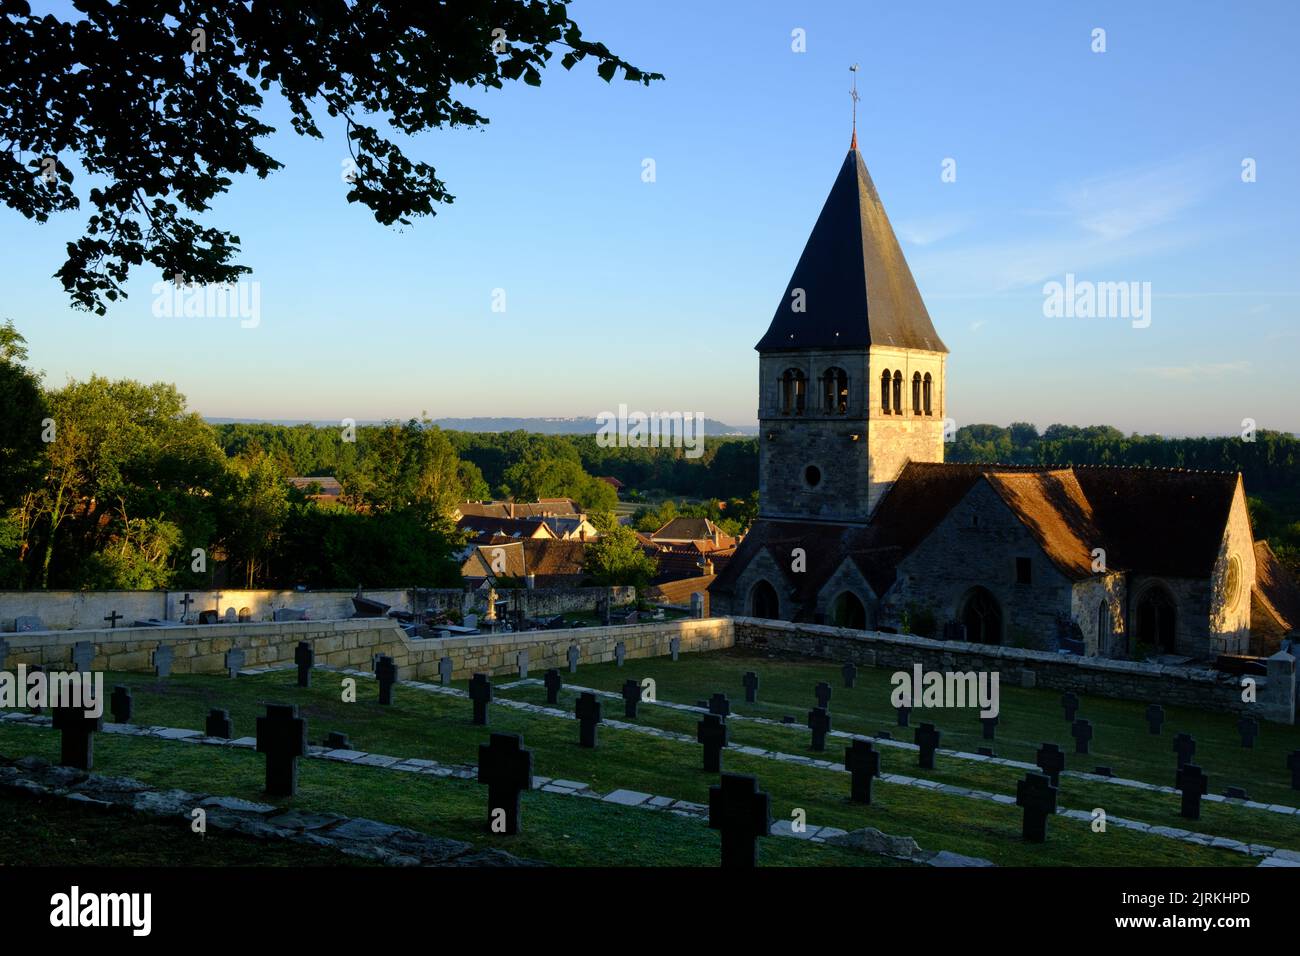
(1198, 372)
(1131, 201)
(923, 232)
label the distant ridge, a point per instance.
(540, 426)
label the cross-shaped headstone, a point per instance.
(819, 722)
(337, 740)
(304, 655)
(631, 697)
(862, 761)
(823, 694)
(506, 766)
(234, 661)
(720, 705)
(83, 655)
(444, 671)
(1037, 794)
(588, 712)
(1081, 730)
(77, 745)
(904, 715)
(121, 704)
(750, 680)
(282, 736)
(480, 692)
(553, 684)
(620, 652)
(1293, 764)
(711, 731)
(1194, 784)
(185, 603)
(572, 657)
(162, 660)
(990, 726)
(521, 664)
(386, 674)
(1071, 704)
(1155, 718)
(927, 738)
(219, 724)
(113, 619)
(1051, 761)
(742, 813)
(674, 646)
(1248, 727)
(850, 673)
(1184, 747)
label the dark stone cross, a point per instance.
(77, 745)
(904, 715)
(1293, 764)
(1081, 730)
(1155, 718)
(444, 671)
(1194, 784)
(631, 697)
(122, 704)
(1248, 727)
(185, 603)
(219, 724)
(573, 656)
(1184, 747)
(927, 738)
(234, 661)
(113, 619)
(506, 766)
(823, 694)
(304, 655)
(720, 705)
(1037, 794)
(162, 660)
(1071, 704)
(674, 647)
(553, 684)
(819, 722)
(620, 652)
(386, 674)
(83, 655)
(337, 740)
(588, 713)
(742, 814)
(521, 664)
(850, 673)
(712, 732)
(480, 692)
(282, 736)
(1051, 761)
(750, 680)
(862, 761)
(990, 725)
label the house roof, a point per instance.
(686, 529)
(554, 559)
(1276, 588)
(520, 509)
(329, 485)
(481, 526)
(857, 287)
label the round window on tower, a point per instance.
(812, 475)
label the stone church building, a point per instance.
(862, 524)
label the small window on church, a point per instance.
(813, 475)
(1024, 571)
(898, 393)
(925, 389)
(884, 391)
(793, 392)
(835, 392)
(916, 392)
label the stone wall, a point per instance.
(1127, 680)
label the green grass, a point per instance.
(423, 724)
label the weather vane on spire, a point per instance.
(854, 93)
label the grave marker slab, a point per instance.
(337, 740)
(1037, 794)
(1051, 761)
(862, 761)
(1070, 702)
(587, 711)
(386, 674)
(674, 647)
(162, 660)
(742, 814)
(819, 722)
(631, 698)
(720, 705)
(990, 726)
(1155, 718)
(823, 694)
(231, 616)
(750, 682)
(83, 655)
(553, 684)
(234, 661)
(122, 704)
(620, 652)
(572, 657)
(506, 766)
(77, 743)
(1248, 727)
(219, 724)
(521, 664)
(1185, 748)
(304, 655)
(185, 603)
(282, 736)
(711, 731)
(904, 715)
(480, 692)
(927, 738)
(850, 673)
(1081, 730)
(444, 670)
(1194, 784)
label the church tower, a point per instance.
(851, 370)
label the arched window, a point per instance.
(848, 611)
(1103, 628)
(916, 392)
(884, 391)
(925, 391)
(982, 616)
(898, 393)
(793, 391)
(835, 391)
(1156, 616)
(763, 601)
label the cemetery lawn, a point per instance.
(54, 832)
(561, 830)
(436, 726)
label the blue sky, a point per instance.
(1115, 166)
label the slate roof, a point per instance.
(483, 527)
(1275, 588)
(858, 289)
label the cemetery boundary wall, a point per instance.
(1194, 687)
(201, 648)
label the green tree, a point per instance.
(617, 560)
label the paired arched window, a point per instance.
(835, 392)
(794, 388)
(916, 392)
(926, 391)
(898, 393)
(884, 391)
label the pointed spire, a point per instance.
(854, 93)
